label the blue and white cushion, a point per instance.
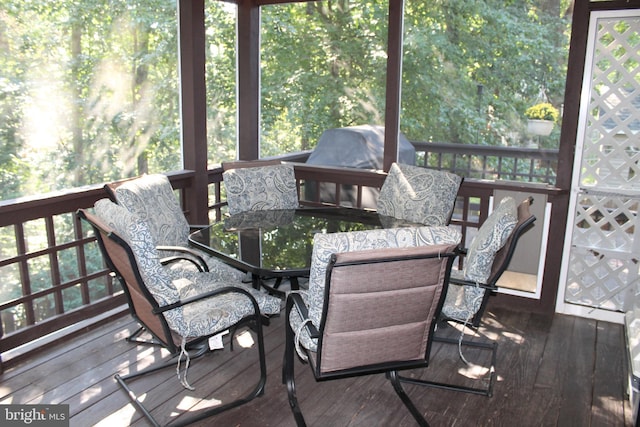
(152, 199)
(261, 188)
(419, 194)
(491, 237)
(462, 302)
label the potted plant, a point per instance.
(541, 117)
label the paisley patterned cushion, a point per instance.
(167, 286)
(204, 282)
(418, 194)
(261, 188)
(152, 199)
(492, 236)
(462, 302)
(324, 245)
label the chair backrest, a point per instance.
(484, 264)
(504, 255)
(490, 238)
(381, 308)
(121, 260)
(261, 188)
(419, 194)
(151, 197)
(325, 245)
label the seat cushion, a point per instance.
(492, 236)
(297, 325)
(261, 188)
(205, 282)
(419, 194)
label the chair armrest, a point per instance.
(207, 295)
(463, 282)
(295, 300)
(197, 227)
(172, 259)
(187, 251)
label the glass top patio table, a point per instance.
(279, 243)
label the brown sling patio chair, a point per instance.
(181, 313)
(469, 289)
(486, 260)
(373, 302)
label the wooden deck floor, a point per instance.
(552, 371)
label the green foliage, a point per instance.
(472, 67)
(323, 67)
(542, 111)
(88, 92)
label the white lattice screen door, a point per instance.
(599, 277)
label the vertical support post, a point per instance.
(394, 82)
(194, 106)
(248, 52)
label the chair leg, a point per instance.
(397, 386)
(258, 390)
(488, 391)
(288, 375)
(135, 338)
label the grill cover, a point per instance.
(360, 147)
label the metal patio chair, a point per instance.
(151, 198)
(181, 313)
(261, 185)
(372, 306)
(469, 289)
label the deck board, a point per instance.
(552, 370)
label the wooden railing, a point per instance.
(53, 276)
(488, 162)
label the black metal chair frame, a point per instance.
(161, 332)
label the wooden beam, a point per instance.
(248, 35)
(394, 82)
(194, 105)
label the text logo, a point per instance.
(34, 415)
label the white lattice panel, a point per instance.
(597, 279)
(606, 222)
(602, 269)
(611, 153)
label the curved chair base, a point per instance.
(488, 391)
(257, 391)
(288, 378)
(397, 386)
